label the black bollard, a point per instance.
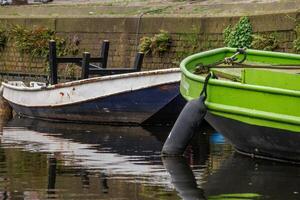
(53, 62)
(104, 53)
(85, 65)
(185, 126)
(138, 62)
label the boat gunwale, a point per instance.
(91, 99)
(92, 80)
(233, 84)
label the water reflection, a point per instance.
(239, 177)
(43, 160)
(51, 175)
(77, 161)
(119, 150)
(183, 178)
(243, 175)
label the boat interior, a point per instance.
(32, 84)
(278, 70)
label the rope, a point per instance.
(204, 89)
(228, 60)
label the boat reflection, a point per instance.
(106, 153)
(86, 161)
(105, 159)
(241, 174)
(119, 150)
(237, 177)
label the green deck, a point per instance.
(263, 97)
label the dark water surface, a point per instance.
(43, 160)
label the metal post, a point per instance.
(53, 62)
(104, 53)
(138, 61)
(85, 65)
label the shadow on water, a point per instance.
(40, 160)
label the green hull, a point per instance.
(262, 98)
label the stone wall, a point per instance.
(188, 35)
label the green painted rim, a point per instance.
(255, 104)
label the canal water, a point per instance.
(44, 160)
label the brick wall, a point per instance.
(188, 35)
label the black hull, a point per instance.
(258, 141)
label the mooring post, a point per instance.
(138, 61)
(52, 62)
(85, 65)
(104, 53)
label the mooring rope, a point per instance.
(204, 89)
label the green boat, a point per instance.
(253, 98)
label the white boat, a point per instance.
(139, 97)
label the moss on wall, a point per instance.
(188, 35)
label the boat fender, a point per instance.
(187, 123)
(184, 128)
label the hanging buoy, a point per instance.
(184, 128)
(186, 124)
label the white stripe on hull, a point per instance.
(87, 89)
